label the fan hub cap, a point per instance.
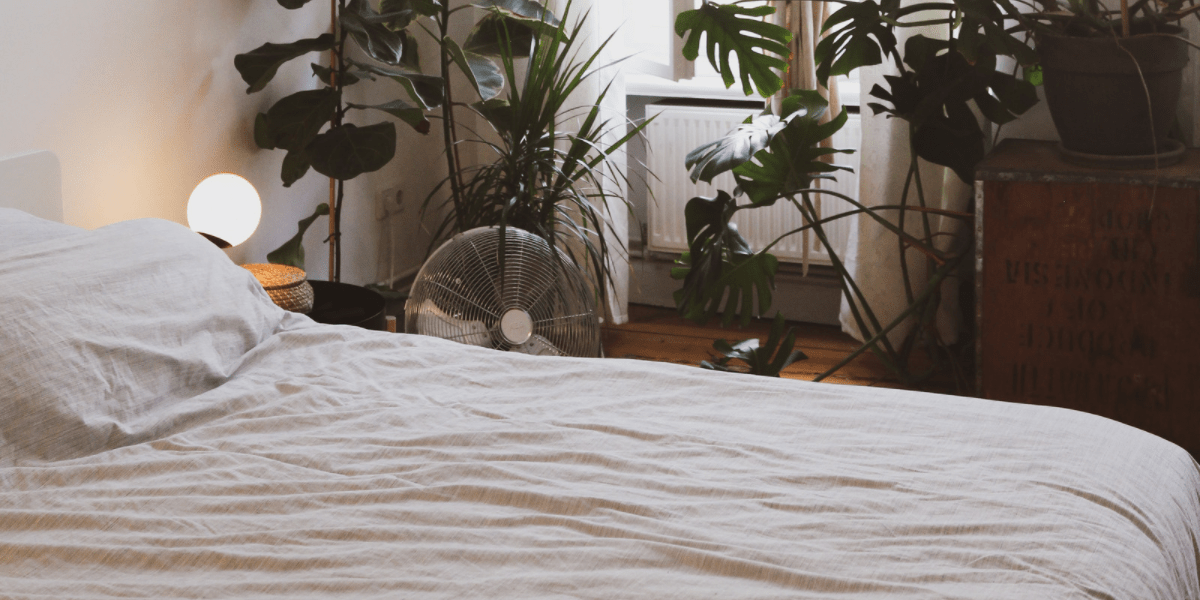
(516, 326)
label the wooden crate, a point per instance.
(1088, 288)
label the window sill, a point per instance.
(637, 84)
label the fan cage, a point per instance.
(461, 294)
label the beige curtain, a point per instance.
(804, 20)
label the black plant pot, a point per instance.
(345, 304)
(1097, 99)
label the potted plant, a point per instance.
(1113, 77)
(545, 176)
(938, 87)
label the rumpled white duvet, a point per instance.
(330, 462)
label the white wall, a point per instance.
(140, 101)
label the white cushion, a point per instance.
(101, 327)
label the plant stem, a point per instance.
(449, 132)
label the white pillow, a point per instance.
(19, 228)
(97, 329)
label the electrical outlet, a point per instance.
(389, 202)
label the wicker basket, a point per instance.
(286, 285)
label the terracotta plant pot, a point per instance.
(1096, 96)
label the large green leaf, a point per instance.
(485, 76)
(291, 253)
(425, 8)
(934, 98)
(295, 165)
(370, 31)
(858, 38)
(426, 90)
(733, 29)
(402, 110)
(296, 119)
(528, 11)
(737, 147)
(257, 67)
(767, 359)
(347, 151)
(720, 272)
(399, 14)
(793, 158)
(325, 74)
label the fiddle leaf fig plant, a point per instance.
(310, 125)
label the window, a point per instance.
(650, 36)
(657, 67)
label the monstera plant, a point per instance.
(311, 125)
(939, 86)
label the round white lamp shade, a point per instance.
(226, 207)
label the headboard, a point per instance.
(32, 182)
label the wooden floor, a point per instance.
(659, 334)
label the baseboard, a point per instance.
(815, 298)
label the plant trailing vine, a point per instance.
(778, 157)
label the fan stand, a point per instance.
(516, 326)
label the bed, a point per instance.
(167, 432)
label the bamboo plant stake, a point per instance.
(333, 241)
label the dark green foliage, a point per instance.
(259, 66)
(793, 158)
(292, 252)
(768, 359)
(859, 38)
(720, 272)
(543, 177)
(934, 98)
(733, 29)
(348, 151)
(370, 31)
(776, 158)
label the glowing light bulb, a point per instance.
(226, 207)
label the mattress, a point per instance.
(316, 461)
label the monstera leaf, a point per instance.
(402, 110)
(720, 273)
(291, 253)
(257, 67)
(485, 76)
(733, 29)
(981, 33)
(738, 147)
(858, 38)
(934, 98)
(793, 158)
(767, 359)
(347, 151)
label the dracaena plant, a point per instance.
(547, 166)
(939, 85)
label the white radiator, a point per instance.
(679, 129)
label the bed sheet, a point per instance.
(343, 463)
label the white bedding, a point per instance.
(336, 462)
